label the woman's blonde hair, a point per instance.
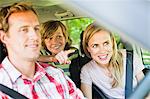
(116, 61)
(48, 28)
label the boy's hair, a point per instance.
(5, 12)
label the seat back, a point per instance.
(3, 52)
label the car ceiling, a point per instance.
(49, 9)
(127, 17)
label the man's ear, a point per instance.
(3, 36)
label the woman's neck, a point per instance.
(106, 68)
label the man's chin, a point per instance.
(33, 58)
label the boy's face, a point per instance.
(23, 39)
(56, 42)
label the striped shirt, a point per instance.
(48, 82)
(64, 67)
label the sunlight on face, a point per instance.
(24, 38)
(100, 47)
(56, 42)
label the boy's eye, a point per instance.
(59, 36)
(50, 38)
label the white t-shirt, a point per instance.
(91, 72)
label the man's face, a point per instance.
(23, 39)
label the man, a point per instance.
(19, 70)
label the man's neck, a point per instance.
(27, 68)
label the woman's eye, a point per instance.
(95, 45)
(106, 43)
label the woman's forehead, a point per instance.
(100, 35)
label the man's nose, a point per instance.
(33, 34)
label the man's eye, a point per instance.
(24, 30)
(37, 29)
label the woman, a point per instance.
(57, 46)
(107, 67)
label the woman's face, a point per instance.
(56, 42)
(100, 47)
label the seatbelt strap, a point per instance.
(129, 74)
(12, 93)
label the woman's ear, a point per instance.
(89, 52)
(88, 49)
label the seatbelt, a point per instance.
(12, 93)
(129, 73)
(97, 93)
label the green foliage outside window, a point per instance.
(75, 28)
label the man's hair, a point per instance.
(5, 12)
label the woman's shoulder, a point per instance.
(89, 65)
(123, 52)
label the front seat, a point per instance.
(3, 52)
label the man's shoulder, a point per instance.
(3, 74)
(2, 70)
(50, 69)
(1, 66)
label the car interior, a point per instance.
(76, 15)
